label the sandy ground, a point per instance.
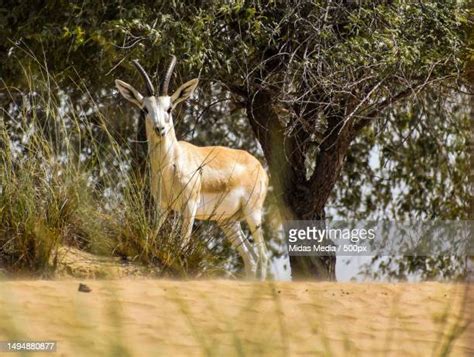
(184, 318)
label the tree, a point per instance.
(331, 69)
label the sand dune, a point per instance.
(160, 317)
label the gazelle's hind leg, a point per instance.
(234, 234)
(254, 220)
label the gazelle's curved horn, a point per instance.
(166, 80)
(149, 85)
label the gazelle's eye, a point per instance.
(145, 110)
(169, 110)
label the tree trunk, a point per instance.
(297, 197)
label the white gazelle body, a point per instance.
(205, 183)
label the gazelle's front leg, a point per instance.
(189, 213)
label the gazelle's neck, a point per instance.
(161, 149)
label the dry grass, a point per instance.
(231, 318)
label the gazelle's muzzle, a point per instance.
(159, 130)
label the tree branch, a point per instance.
(363, 122)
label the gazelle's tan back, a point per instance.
(232, 180)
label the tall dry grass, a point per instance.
(233, 318)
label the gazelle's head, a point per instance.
(157, 107)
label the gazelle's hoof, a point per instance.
(262, 271)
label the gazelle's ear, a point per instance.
(129, 93)
(184, 92)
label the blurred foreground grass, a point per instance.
(231, 318)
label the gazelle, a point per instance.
(205, 183)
